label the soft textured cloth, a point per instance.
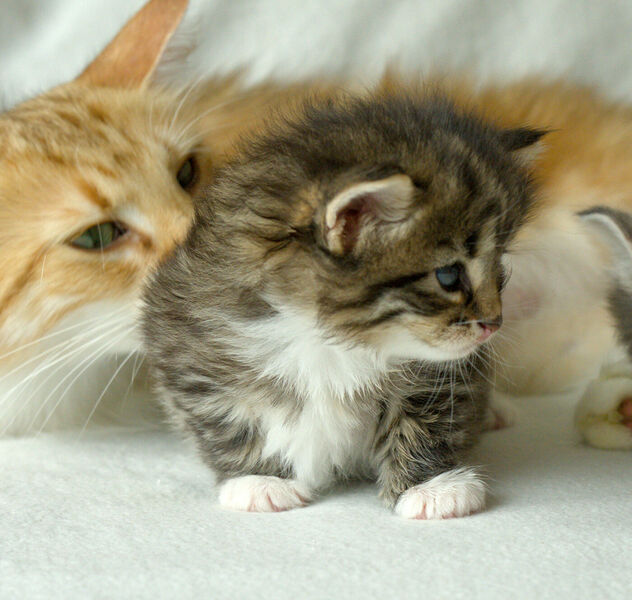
(116, 515)
(113, 515)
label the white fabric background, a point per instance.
(134, 515)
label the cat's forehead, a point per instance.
(72, 121)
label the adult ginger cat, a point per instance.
(96, 179)
(95, 184)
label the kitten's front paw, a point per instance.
(455, 493)
(604, 414)
(259, 493)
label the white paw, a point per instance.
(501, 413)
(455, 493)
(604, 414)
(259, 493)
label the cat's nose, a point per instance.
(488, 328)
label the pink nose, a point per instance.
(488, 328)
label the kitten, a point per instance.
(324, 316)
(96, 179)
(557, 327)
(604, 414)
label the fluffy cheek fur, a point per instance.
(61, 380)
(413, 339)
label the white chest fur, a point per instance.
(334, 427)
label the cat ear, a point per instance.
(523, 142)
(130, 59)
(366, 205)
(615, 229)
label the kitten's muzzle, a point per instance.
(488, 328)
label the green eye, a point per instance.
(188, 173)
(99, 237)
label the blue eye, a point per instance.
(449, 277)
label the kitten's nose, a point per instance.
(489, 327)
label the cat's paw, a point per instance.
(604, 414)
(501, 413)
(455, 493)
(259, 493)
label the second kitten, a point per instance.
(325, 315)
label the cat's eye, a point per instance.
(99, 237)
(188, 173)
(449, 277)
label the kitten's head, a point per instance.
(95, 186)
(385, 219)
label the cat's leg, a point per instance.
(501, 412)
(454, 493)
(250, 481)
(263, 493)
(604, 413)
(420, 473)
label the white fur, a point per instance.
(330, 431)
(393, 194)
(501, 412)
(399, 344)
(455, 493)
(258, 493)
(554, 307)
(597, 416)
(58, 380)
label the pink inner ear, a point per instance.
(352, 216)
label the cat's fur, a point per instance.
(558, 329)
(604, 414)
(301, 332)
(104, 148)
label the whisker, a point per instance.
(59, 332)
(187, 93)
(105, 389)
(90, 360)
(65, 345)
(61, 361)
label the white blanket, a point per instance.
(116, 515)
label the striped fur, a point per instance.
(302, 331)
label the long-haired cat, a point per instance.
(558, 326)
(96, 178)
(604, 414)
(559, 321)
(323, 317)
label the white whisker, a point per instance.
(105, 389)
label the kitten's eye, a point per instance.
(449, 277)
(188, 173)
(99, 237)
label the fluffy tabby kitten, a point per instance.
(604, 414)
(323, 317)
(558, 328)
(96, 178)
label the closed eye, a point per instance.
(99, 237)
(403, 281)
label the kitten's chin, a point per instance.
(403, 346)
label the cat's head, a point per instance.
(614, 229)
(385, 219)
(96, 178)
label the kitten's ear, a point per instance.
(363, 206)
(615, 229)
(130, 59)
(523, 142)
